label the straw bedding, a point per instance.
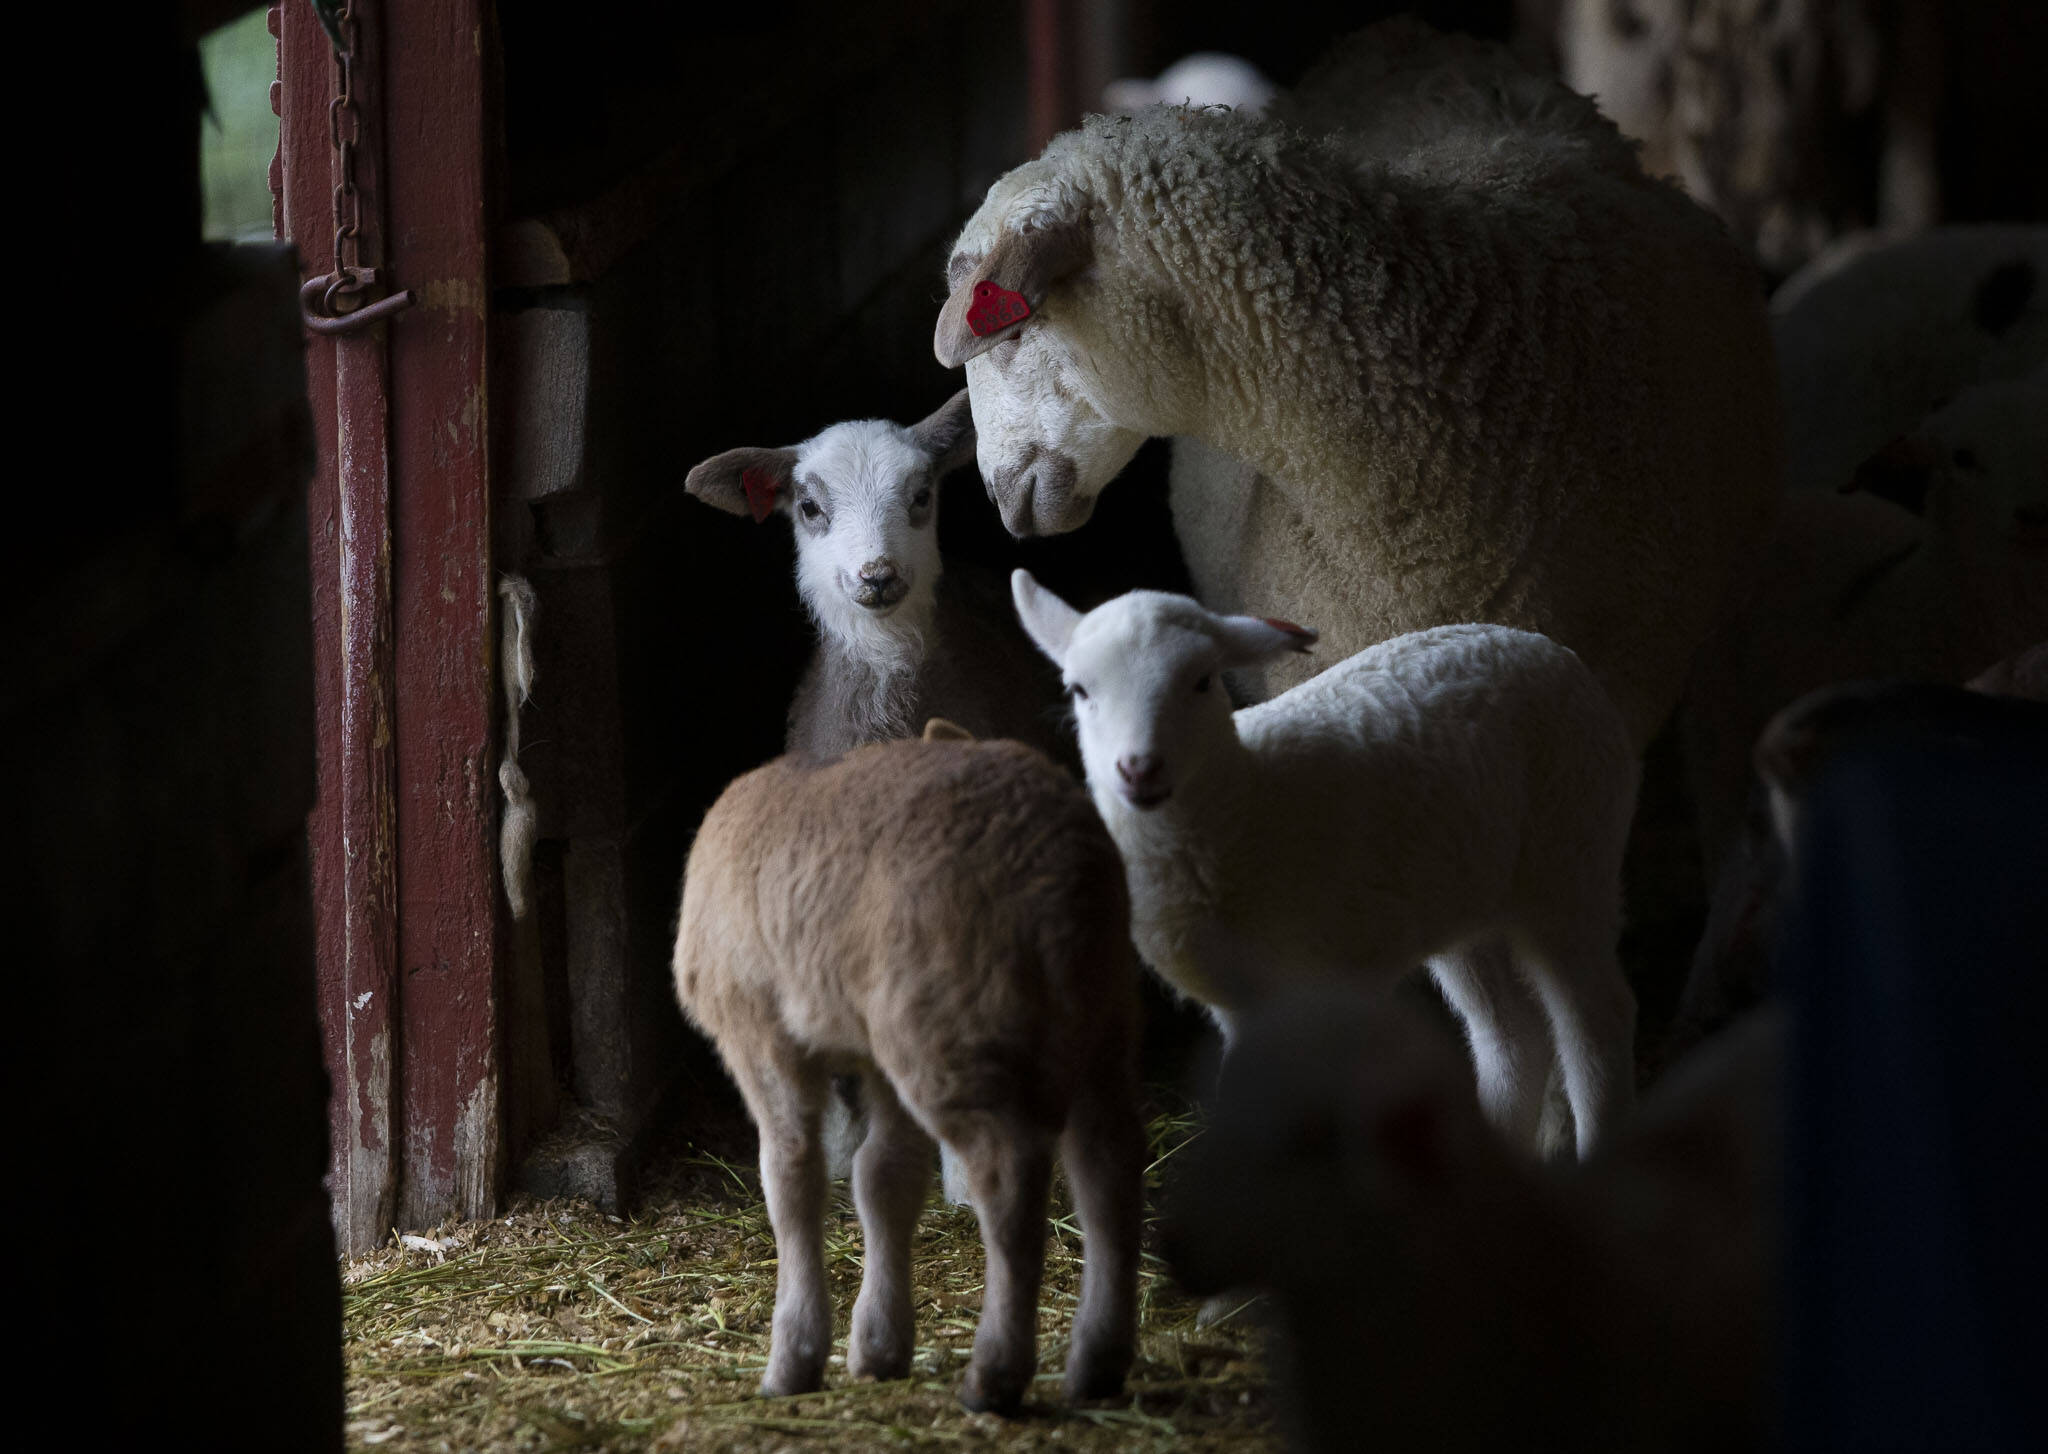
(556, 1327)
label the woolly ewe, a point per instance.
(1459, 795)
(1471, 363)
(947, 920)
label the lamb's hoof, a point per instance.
(783, 1385)
(999, 1394)
(1094, 1385)
(882, 1367)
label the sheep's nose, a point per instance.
(1140, 769)
(1144, 776)
(881, 584)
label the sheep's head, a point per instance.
(864, 499)
(1977, 467)
(1343, 1127)
(1047, 443)
(1144, 673)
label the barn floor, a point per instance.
(557, 1327)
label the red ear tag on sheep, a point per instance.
(995, 307)
(760, 488)
(1303, 637)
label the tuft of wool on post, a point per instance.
(520, 826)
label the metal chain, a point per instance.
(348, 203)
(328, 303)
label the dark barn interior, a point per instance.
(273, 838)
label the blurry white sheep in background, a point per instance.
(1207, 78)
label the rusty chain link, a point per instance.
(331, 303)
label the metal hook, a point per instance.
(317, 315)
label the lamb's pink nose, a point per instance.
(1140, 769)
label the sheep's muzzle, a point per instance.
(1037, 496)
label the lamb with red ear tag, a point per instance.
(1459, 796)
(901, 638)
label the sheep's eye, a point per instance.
(810, 510)
(921, 499)
(1203, 684)
(1078, 692)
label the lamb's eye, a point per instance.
(921, 499)
(1203, 684)
(1078, 692)
(810, 510)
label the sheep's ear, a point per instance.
(745, 481)
(1047, 619)
(947, 434)
(992, 298)
(1900, 473)
(1249, 640)
(940, 729)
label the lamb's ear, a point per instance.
(992, 298)
(1047, 619)
(947, 434)
(744, 481)
(1900, 473)
(1249, 640)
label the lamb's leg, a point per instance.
(1510, 1035)
(787, 1098)
(1103, 1149)
(1577, 974)
(1009, 1170)
(891, 1174)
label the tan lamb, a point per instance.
(946, 919)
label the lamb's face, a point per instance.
(1148, 701)
(1144, 674)
(1045, 449)
(865, 502)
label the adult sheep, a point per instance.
(1482, 368)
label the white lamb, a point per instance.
(901, 639)
(1459, 795)
(1470, 363)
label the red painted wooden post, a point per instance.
(403, 873)
(353, 826)
(434, 99)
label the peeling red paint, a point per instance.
(352, 824)
(402, 838)
(442, 610)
